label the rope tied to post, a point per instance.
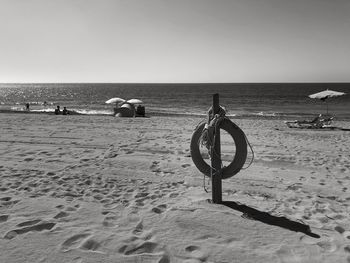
(207, 138)
(213, 121)
(204, 135)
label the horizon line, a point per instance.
(264, 82)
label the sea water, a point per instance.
(258, 100)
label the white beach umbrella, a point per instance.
(134, 101)
(115, 100)
(324, 95)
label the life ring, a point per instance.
(241, 149)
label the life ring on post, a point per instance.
(241, 149)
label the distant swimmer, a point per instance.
(65, 111)
(57, 111)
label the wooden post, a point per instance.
(216, 158)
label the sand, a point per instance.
(103, 189)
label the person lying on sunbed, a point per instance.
(317, 122)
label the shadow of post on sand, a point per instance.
(266, 218)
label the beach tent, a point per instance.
(127, 108)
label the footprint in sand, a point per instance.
(346, 234)
(138, 229)
(29, 223)
(159, 209)
(289, 254)
(3, 218)
(110, 221)
(339, 229)
(5, 199)
(173, 195)
(141, 194)
(39, 227)
(144, 247)
(326, 244)
(347, 248)
(195, 252)
(206, 237)
(90, 244)
(139, 242)
(164, 259)
(3, 189)
(77, 260)
(73, 241)
(73, 208)
(61, 214)
(8, 204)
(50, 174)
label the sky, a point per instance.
(172, 41)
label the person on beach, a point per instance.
(57, 111)
(65, 111)
(140, 111)
(117, 106)
(27, 106)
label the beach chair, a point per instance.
(327, 122)
(318, 122)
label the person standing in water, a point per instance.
(65, 111)
(57, 111)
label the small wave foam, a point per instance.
(267, 114)
(43, 110)
(33, 103)
(52, 110)
(93, 112)
(78, 111)
(15, 108)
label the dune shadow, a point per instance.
(266, 218)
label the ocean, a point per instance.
(258, 100)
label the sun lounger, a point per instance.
(317, 123)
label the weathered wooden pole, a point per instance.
(216, 158)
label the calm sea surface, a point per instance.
(279, 100)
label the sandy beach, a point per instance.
(102, 189)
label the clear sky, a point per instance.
(174, 41)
